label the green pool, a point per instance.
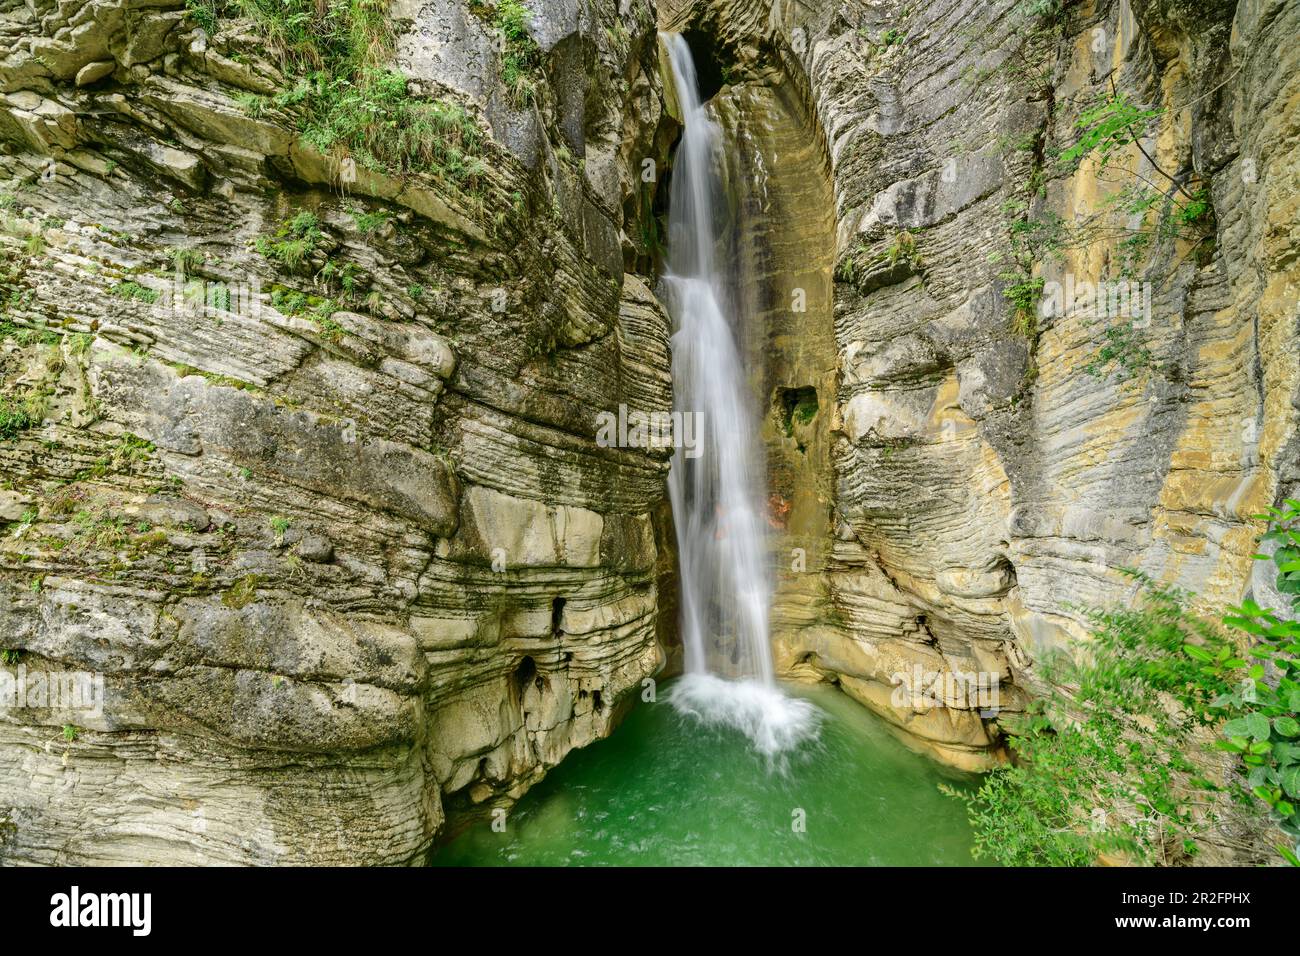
(666, 789)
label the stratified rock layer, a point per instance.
(343, 546)
(989, 480)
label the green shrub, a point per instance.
(1107, 768)
(17, 414)
(135, 292)
(347, 100)
(521, 55)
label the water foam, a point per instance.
(774, 723)
(717, 497)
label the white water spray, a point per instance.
(726, 585)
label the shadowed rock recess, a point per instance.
(301, 362)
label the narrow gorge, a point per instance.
(336, 339)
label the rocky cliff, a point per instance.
(991, 461)
(307, 321)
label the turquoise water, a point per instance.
(664, 790)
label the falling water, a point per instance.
(717, 504)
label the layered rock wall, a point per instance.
(993, 471)
(299, 452)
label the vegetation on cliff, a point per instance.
(347, 98)
(1116, 767)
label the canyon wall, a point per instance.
(298, 446)
(298, 449)
(990, 469)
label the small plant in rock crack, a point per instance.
(1029, 241)
(293, 242)
(17, 414)
(370, 221)
(903, 249)
(280, 525)
(136, 292)
(1125, 352)
(520, 54)
(890, 38)
(186, 260)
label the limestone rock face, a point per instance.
(964, 481)
(297, 454)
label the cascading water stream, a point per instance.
(716, 495)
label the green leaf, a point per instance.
(1237, 727)
(1257, 726)
(1198, 653)
(1291, 780)
(1286, 726)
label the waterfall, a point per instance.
(716, 490)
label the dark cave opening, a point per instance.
(711, 74)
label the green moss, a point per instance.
(242, 593)
(319, 310)
(135, 292)
(186, 260)
(798, 406)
